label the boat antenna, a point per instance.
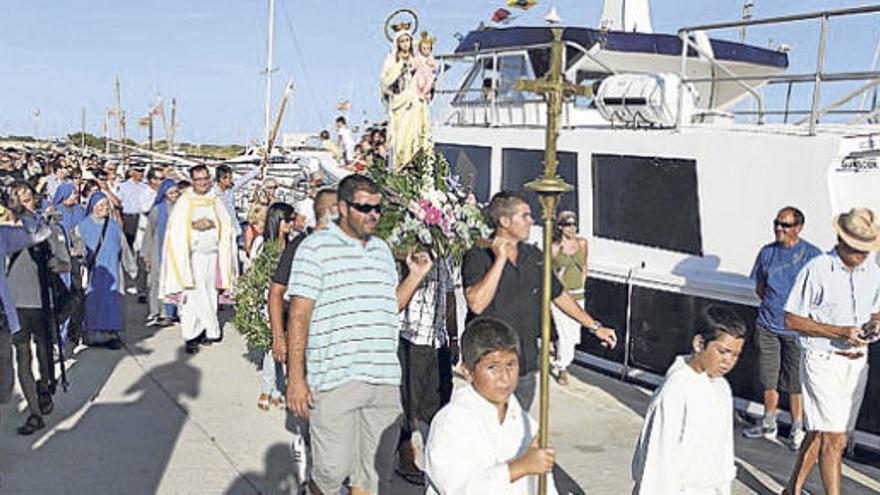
(746, 16)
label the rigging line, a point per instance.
(302, 61)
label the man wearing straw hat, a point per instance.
(835, 306)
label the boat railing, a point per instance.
(816, 78)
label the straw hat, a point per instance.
(858, 230)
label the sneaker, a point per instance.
(796, 438)
(192, 346)
(152, 321)
(301, 467)
(760, 430)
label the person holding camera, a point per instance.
(30, 273)
(835, 306)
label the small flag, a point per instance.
(501, 16)
(343, 106)
(521, 4)
(143, 122)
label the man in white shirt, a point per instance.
(130, 195)
(686, 444)
(483, 441)
(834, 305)
(346, 140)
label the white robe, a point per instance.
(468, 449)
(686, 444)
(196, 264)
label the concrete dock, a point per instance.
(152, 419)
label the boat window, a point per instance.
(647, 200)
(471, 165)
(540, 60)
(511, 68)
(519, 167)
(475, 89)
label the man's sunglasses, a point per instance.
(567, 224)
(366, 208)
(784, 225)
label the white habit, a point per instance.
(686, 445)
(468, 449)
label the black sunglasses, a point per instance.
(784, 225)
(366, 208)
(568, 223)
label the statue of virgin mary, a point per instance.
(409, 129)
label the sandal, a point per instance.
(278, 402)
(32, 424)
(263, 402)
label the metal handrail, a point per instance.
(816, 77)
(869, 9)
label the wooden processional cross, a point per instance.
(554, 88)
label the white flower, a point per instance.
(424, 234)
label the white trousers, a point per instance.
(198, 306)
(569, 332)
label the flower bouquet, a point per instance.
(425, 209)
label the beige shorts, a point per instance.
(833, 389)
(354, 430)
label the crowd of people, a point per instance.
(363, 343)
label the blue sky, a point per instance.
(62, 56)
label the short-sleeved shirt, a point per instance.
(423, 321)
(776, 267)
(352, 333)
(826, 291)
(517, 300)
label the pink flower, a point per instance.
(432, 216)
(470, 199)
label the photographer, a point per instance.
(12, 239)
(31, 274)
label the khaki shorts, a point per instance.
(833, 389)
(354, 429)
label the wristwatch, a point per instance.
(595, 326)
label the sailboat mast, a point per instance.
(267, 117)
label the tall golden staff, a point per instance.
(554, 88)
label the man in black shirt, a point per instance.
(504, 281)
(325, 212)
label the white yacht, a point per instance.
(674, 186)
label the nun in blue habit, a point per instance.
(106, 254)
(154, 238)
(66, 202)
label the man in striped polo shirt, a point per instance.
(342, 327)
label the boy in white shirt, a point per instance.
(686, 445)
(482, 441)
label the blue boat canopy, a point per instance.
(620, 41)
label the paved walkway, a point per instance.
(152, 419)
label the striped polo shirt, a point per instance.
(353, 329)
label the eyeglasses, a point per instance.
(366, 208)
(567, 223)
(784, 225)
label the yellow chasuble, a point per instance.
(176, 272)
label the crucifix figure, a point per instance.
(554, 88)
